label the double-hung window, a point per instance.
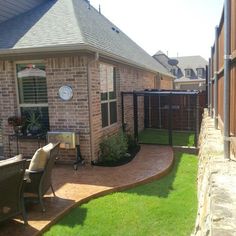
(200, 72)
(32, 90)
(188, 73)
(108, 94)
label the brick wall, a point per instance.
(74, 115)
(70, 115)
(8, 102)
(127, 79)
(166, 82)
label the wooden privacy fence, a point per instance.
(183, 111)
(217, 72)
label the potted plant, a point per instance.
(33, 124)
(17, 122)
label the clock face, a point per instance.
(65, 93)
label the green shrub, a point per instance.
(114, 148)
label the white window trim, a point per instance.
(188, 73)
(108, 100)
(19, 106)
(200, 72)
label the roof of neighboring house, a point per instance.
(191, 62)
(11, 8)
(70, 25)
(163, 59)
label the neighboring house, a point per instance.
(190, 71)
(66, 63)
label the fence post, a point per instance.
(227, 59)
(146, 111)
(170, 121)
(122, 112)
(216, 79)
(197, 122)
(135, 104)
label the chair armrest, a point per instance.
(27, 163)
(35, 171)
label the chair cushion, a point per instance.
(11, 160)
(48, 148)
(39, 160)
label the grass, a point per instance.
(165, 207)
(155, 136)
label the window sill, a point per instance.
(110, 126)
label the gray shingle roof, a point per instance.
(191, 62)
(11, 8)
(55, 24)
(163, 59)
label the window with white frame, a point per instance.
(200, 72)
(108, 94)
(188, 73)
(32, 91)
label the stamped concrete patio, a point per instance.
(76, 187)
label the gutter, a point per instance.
(227, 59)
(73, 48)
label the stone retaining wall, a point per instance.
(216, 185)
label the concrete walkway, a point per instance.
(76, 187)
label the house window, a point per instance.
(200, 72)
(32, 90)
(188, 73)
(173, 71)
(108, 95)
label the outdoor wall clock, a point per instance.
(65, 92)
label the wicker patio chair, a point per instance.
(40, 181)
(11, 190)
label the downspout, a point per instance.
(90, 104)
(216, 80)
(227, 80)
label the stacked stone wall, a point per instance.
(216, 185)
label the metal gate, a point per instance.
(165, 117)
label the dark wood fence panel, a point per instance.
(183, 111)
(233, 100)
(233, 25)
(220, 70)
(221, 48)
(220, 98)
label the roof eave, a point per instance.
(189, 81)
(72, 48)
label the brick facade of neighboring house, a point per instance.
(86, 57)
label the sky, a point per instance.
(176, 27)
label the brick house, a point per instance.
(65, 62)
(190, 71)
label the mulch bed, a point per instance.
(121, 161)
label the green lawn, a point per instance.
(155, 136)
(164, 207)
